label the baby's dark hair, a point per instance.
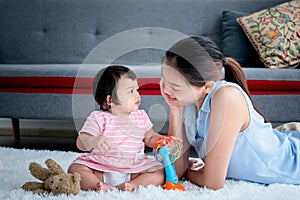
(105, 83)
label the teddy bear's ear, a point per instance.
(38, 171)
(76, 177)
(54, 167)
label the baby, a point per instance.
(115, 137)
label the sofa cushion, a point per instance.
(235, 43)
(275, 34)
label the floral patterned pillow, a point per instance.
(275, 34)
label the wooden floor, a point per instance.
(40, 139)
(49, 143)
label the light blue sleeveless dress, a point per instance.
(261, 154)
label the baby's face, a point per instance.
(128, 95)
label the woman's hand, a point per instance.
(195, 164)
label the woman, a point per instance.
(218, 118)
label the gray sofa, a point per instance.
(50, 50)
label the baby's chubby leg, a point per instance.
(152, 176)
(90, 178)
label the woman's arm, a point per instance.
(176, 128)
(229, 116)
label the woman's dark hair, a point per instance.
(199, 60)
(105, 83)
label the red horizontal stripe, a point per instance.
(274, 92)
(273, 85)
(142, 92)
(65, 82)
(148, 86)
(66, 91)
(149, 83)
(62, 82)
(45, 90)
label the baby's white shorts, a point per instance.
(115, 178)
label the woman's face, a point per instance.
(176, 88)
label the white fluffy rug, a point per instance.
(14, 174)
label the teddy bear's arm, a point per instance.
(76, 183)
(35, 187)
(76, 177)
(31, 186)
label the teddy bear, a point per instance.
(54, 179)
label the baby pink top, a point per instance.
(126, 134)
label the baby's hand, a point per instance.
(179, 140)
(102, 143)
(176, 140)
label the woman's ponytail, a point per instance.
(234, 73)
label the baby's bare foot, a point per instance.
(105, 187)
(126, 187)
(129, 187)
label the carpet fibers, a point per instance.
(14, 173)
